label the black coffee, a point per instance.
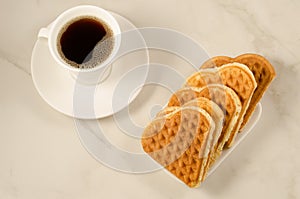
(85, 42)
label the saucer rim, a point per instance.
(71, 114)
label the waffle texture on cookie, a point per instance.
(261, 68)
(206, 114)
(218, 117)
(179, 142)
(236, 76)
(227, 100)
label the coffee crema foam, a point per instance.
(81, 34)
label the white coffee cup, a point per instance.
(89, 76)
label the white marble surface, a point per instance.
(42, 157)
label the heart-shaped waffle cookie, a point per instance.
(222, 95)
(218, 117)
(261, 68)
(234, 75)
(179, 141)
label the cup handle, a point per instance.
(44, 32)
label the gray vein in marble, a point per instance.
(253, 26)
(291, 187)
(291, 193)
(262, 36)
(14, 64)
(279, 92)
(91, 128)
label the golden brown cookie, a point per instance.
(179, 142)
(234, 75)
(166, 111)
(261, 68)
(222, 95)
(218, 117)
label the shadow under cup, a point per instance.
(84, 40)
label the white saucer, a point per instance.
(56, 86)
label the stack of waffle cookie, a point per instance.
(203, 118)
